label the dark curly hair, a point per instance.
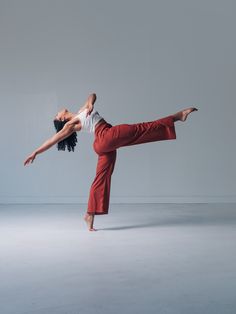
(70, 141)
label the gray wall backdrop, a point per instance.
(145, 60)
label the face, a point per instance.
(62, 115)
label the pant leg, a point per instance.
(99, 195)
(114, 137)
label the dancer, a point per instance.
(107, 139)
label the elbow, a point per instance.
(67, 130)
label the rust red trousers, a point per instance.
(107, 140)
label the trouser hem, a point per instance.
(97, 213)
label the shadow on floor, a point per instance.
(184, 221)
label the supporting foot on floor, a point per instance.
(89, 219)
(183, 114)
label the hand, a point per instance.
(89, 109)
(30, 159)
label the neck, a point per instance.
(70, 115)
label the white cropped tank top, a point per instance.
(88, 123)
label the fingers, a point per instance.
(28, 160)
(89, 110)
(25, 163)
(88, 113)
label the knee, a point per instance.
(112, 156)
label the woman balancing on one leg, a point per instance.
(107, 139)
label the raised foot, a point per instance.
(183, 114)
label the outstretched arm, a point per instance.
(89, 104)
(67, 130)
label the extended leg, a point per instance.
(139, 133)
(133, 134)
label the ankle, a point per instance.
(176, 117)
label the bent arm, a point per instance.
(89, 104)
(61, 135)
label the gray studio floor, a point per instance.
(154, 258)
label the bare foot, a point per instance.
(89, 218)
(183, 114)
